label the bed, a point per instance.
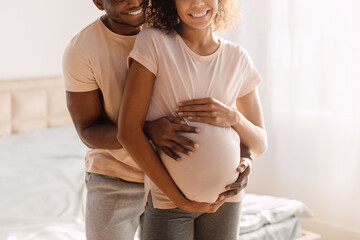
(42, 180)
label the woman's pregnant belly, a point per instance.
(204, 175)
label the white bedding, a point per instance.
(42, 192)
(285, 230)
(261, 210)
(42, 185)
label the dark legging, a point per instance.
(177, 224)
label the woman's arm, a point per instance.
(247, 119)
(250, 123)
(133, 111)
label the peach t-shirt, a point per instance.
(96, 59)
(181, 75)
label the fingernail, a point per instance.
(196, 146)
(221, 198)
(180, 113)
(227, 188)
(242, 168)
(189, 118)
(179, 104)
(183, 122)
(190, 153)
(196, 129)
(176, 109)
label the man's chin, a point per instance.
(135, 24)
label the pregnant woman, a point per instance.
(179, 67)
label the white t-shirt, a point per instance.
(181, 75)
(96, 59)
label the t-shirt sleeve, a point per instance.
(250, 76)
(145, 50)
(77, 71)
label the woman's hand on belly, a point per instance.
(164, 133)
(208, 110)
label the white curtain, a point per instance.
(314, 66)
(308, 53)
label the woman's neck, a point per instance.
(201, 41)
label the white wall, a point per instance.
(34, 34)
(311, 157)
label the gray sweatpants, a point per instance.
(177, 224)
(113, 207)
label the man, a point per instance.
(95, 69)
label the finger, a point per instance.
(228, 194)
(249, 165)
(174, 147)
(175, 120)
(210, 114)
(238, 187)
(181, 140)
(235, 185)
(171, 154)
(243, 165)
(195, 108)
(186, 128)
(208, 120)
(242, 177)
(239, 184)
(196, 101)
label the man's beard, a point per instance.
(128, 24)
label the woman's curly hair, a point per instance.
(163, 14)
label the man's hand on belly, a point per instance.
(244, 169)
(164, 133)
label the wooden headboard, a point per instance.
(30, 104)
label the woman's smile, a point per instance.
(200, 14)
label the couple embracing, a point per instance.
(174, 102)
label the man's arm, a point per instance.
(93, 126)
(245, 152)
(97, 131)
